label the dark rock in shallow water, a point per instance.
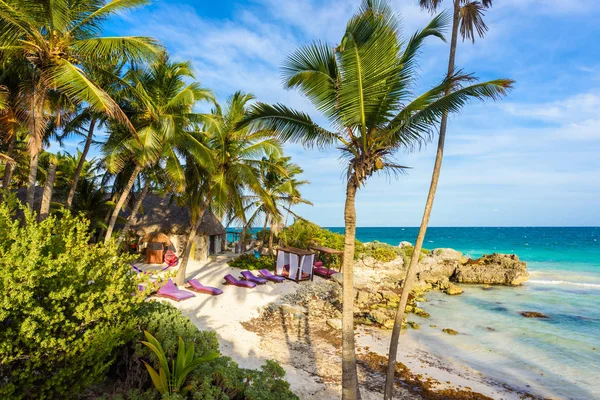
(450, 331)
(533, 314)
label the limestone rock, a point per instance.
(335, 323)
(413, 325)
(499, 269)
(450, 331)
(533, 314)
(362, 298)
(453, 289)
(405, 244)
(446, 254)
(293, 310)
(391, 297)
(421, 313)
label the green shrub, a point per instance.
(407, 251)
(384, 254)
(223, 379)
(248, 261)
(65, 306)
(166, 323)
(303, 234)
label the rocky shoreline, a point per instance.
(313, 312)
(378, 286)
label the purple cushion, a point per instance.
(267, 274)
(173, 292)
(231, 280)
(318, 263)
(200, 288)
(325, 272)
(249, 276)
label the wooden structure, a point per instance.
(160, 214)
(328, 252)
(294, 263)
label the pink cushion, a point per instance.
(173, 292)
(318, 263)
(200, 288)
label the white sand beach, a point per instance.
(312, 363)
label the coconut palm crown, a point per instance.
(363, 87)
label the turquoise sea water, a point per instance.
(558, 357)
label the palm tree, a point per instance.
(237, 154)
(58, 40)
(363, 87)
(280, 192)
(162, 112)
(88, 120)
(467, 15)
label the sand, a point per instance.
(312, 364)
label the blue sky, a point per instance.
(529, 160)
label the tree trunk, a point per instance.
(271, 234)
(180, 278)
(349, 375)
(33, 167)
(411, 270)
(47, 197)
(121, 202)
(86, 148)
(134, 211)
(8, 169)
(262, 242)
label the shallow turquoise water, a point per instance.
(557, 357)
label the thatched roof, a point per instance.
(160, 214)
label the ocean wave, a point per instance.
(561, 282)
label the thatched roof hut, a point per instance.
(161, 214)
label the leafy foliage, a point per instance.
(248, 261)
(65, 306)
(167, 325)
(224, 379)
(303, 233)
(384, 254)
(170, 378)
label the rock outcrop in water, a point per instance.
(498, 269)
(443, 266)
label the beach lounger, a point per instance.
(318, 263)
(229, 279)
(249, 276)
(268, 275)
(170, 291)
(200, 288)
(324, 272)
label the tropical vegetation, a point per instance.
(72, 312)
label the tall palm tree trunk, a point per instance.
(121, 202)
(47, 197)
(271, 239)
(31, 179)
(349, 375)
(136, 207)
(81, 163)
(411, 270)
(35, 139)
(180, 278)
(8, 169)
(262, 242)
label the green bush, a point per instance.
(65, 306)
(384, 254)
(223, 379)
(407, 251)
(303, 234)
(248, 261)
(167, 324)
